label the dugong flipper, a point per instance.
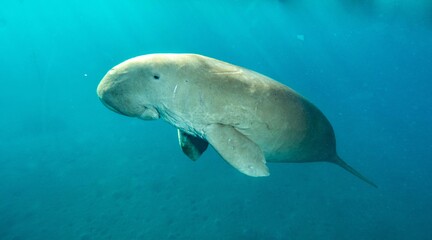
(192, 146)
(248, 118)
(238, 150)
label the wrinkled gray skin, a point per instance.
(247, 117)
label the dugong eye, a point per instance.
(156, 76)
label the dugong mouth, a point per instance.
(111, 107)
(149, 113)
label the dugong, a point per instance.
(248, 118)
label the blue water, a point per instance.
(72, 169)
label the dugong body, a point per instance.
(249, 119)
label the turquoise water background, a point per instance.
(72, 169)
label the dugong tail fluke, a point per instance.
(350, 169)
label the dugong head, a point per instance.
(133, 88)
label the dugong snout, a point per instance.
(103, 97)
(123, 103)
(110, 107)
